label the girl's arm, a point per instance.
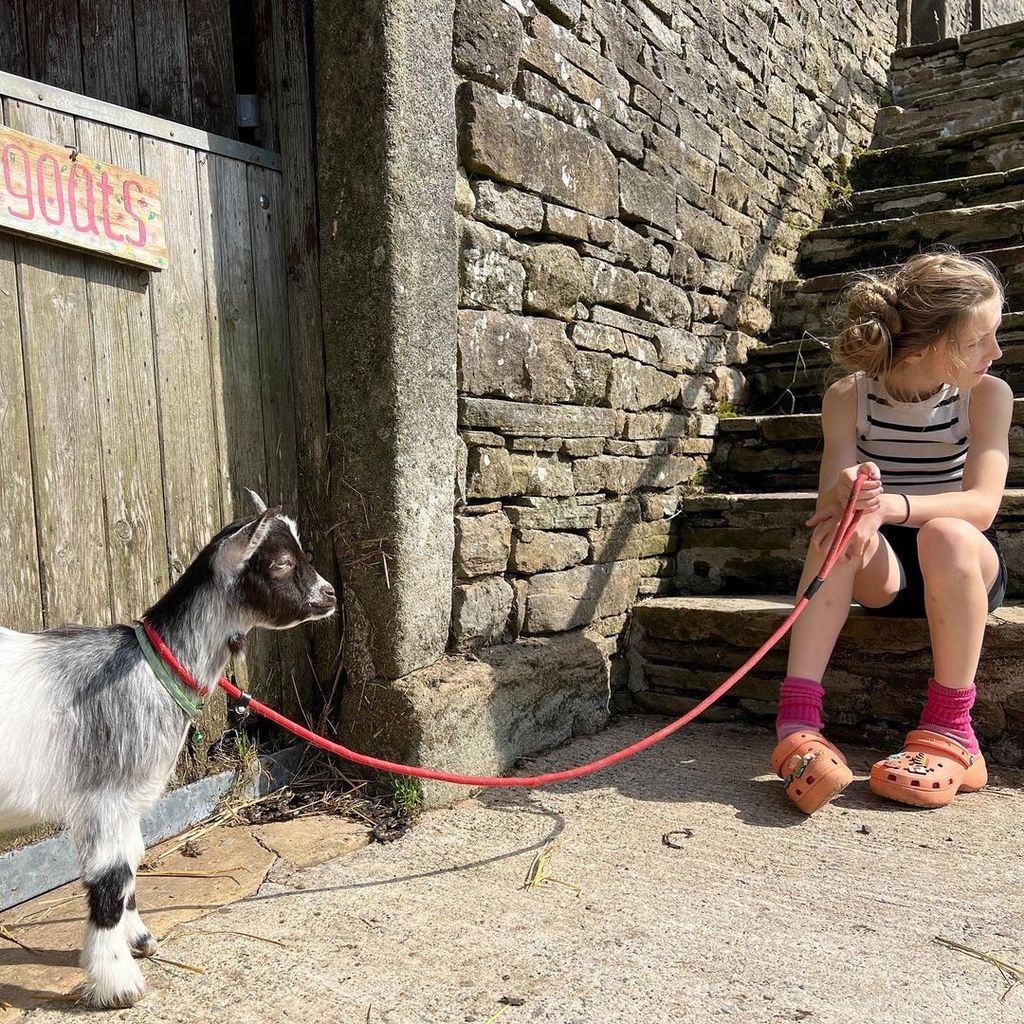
(988, 460)
(839, 459)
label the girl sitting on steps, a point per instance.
(921, 414)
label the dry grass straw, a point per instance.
(538, 878)
(6, 934)
(1013, 976)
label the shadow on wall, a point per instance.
(547, 696)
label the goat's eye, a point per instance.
(282, 565)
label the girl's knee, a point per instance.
(946, 545)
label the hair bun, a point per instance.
(877, 301)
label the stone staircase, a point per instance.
(956, 177)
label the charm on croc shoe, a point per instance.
(798, 765)
(893, 760)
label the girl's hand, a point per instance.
(870, 497)
(824, 521)
(865, 529)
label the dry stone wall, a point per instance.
(635, 176)
(1001, 12)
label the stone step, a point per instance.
(999, 148)
(926, 84)
(684, 647)
(972, 228)
(908, 200)
(970, 102)
(919, 73)
(770, 453)
(756, 543)
(814, 306)
(791, 376)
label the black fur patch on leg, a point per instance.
(131, 904)
(106, 895)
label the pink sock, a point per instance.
(800, 702)
(948, 711)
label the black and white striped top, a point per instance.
(920, 447)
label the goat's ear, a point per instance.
(236, 549)
(258, 503)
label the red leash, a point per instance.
(842, 537)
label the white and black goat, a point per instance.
(89, 737)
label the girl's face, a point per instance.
(976, 347)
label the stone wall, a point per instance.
(1001, 12)
(944, 19)
(635, 176)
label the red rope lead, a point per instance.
(839, 542)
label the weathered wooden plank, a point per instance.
(234, 359)
(278, 396)
(108, 51)
(161, 54)
(54, 43)
(298, 184)
(122, 332)
(62, 399)
(13, 45)
(20, 599)
(212, 66)
(263, 30)
(192, 493)
(231, 314)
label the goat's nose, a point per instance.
(327, 592)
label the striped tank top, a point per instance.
(919, 447)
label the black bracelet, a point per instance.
(907, 516)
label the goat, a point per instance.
(89, 737)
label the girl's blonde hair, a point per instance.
(931, 297)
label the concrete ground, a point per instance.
(754, 914)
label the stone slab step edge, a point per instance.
(952, 86)
(972, 190)
(812, 304)
(972, 228)
(683, 647)
(756, 542)
(996, 148)
(910, 56)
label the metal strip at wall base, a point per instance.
(49, 863)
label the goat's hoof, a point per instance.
(116, 986)
(121, 1000)
(144, 946)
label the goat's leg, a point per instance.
(140, 938)
(110, 845)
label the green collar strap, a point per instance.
(181, 696)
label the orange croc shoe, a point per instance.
(929, 771)
(813, 769)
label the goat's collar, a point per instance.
(160, 659)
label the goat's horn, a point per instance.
(261, 505)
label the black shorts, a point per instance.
(909, 600)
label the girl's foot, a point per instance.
(929, 771)
(813, 769)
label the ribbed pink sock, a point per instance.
(948, 711)
(800, 703)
